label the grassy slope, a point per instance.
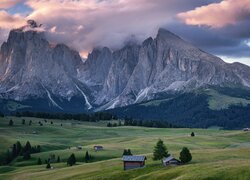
(216, 154)
(219, 101)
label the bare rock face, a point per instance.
(31, 68)
(164, 64)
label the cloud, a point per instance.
(8, 21)
(4, 4)
(85, 24)
(217, 15)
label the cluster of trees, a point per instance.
(18, 150)
(50, 160)
(109, 124)
(72, 159)
(148, 123)
(127, 152)
(11, 122)
(160, 152)
(65, 116)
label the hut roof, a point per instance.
(134, 158)
(169, 158)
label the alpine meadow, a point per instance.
(124, 89)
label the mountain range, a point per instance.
(38, 75)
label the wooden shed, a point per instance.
(98, 148)
(133, 162)
(170, 161)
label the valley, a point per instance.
(217, 154)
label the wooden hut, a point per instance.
(170, 161)
(133, 162)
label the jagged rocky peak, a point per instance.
(30, 66)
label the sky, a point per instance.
(220, 27)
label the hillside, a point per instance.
(217, 154)
(225, 107)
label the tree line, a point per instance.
(67, 116)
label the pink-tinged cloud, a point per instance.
(10, 21)
(89, 23)
(217, 15)
(4, 4)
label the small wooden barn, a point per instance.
(246, 129)
(133, 162)
(168, 161)
(98, 148)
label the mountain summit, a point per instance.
(41, 75)
(165, 64)
(32, 69)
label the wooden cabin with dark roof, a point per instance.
(133, 162)
(170, 161)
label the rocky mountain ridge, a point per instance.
(31, 69)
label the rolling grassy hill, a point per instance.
(217, 154)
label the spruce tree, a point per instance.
(11, 123)
(48, 166)
(192, 134)
(87, 157)
(18, 148)
(160, 151)
(129, 152)
(23, 121)
(27, 147)
(125, 152)
(58, 159)
(14, 151)
(30, 123)
(185, 155)
(39, 161)
(71, 160)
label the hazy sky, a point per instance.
(220, 27)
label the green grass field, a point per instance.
(217, 154)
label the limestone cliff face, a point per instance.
(32, 68)
(167, 63)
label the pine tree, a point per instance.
(27, 147)
(71, 160)
(39, 161)
(48, 166)
(192, 134)
(14, 151)
(30, 123)
(87, 157)
(23, 121)
(160, 150)
(11, 123)
(109, 124)
(125, 152)
(58, 159)
(185, 155)
(18, 148)
(129, 152)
